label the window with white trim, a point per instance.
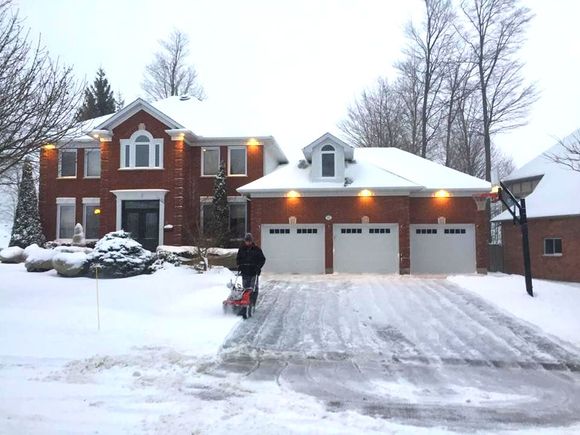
(553, 246)
(91, 218)
(327, 159)
(210, 161)
(65, 221)
(67, 163)
(92, 163)
(237, 161)
(142, 150)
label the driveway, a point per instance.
(418, 351)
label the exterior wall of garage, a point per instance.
(565, 267)
(401, 210)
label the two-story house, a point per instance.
(144, 169)
(551, 191)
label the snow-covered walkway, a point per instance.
(418, 351)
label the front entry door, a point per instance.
(141, 219)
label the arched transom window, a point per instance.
(327, 154)
(142, 150)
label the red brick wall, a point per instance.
(394, 209)
(52, 187)
(564, 268)
(456, 210)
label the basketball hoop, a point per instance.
(482, 198)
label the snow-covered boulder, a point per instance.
(119, 256)
(71, 249)
(39, 259)
(28, 250)
(70, 263)
(13, 254)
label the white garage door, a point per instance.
(443, 248)
(366, 248)
(293, 248)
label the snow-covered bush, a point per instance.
(71, 249)
(13, 254)
(78, 236)
(39, 259)
(164, 259)
(119, 256)
(70, 263)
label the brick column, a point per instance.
(178, 192)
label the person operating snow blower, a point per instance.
(250, 261)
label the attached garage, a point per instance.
(443, 249)
(366, 248)
(293, 248)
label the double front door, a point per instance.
(141, 219)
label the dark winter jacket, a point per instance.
(250, 260)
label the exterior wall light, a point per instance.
(442, 194)
(366, 192)
(293, 194)
(97, 211)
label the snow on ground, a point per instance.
(555, 307)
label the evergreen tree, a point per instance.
(220, 227)
(99, 98)
(27, 228)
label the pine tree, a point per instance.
(220, 228)
(27, 228)
(99, 98)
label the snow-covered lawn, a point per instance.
(555, 307)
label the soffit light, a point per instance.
(366, 192)
(49, 146)
(442, 194)
(293, 194)
(252, 142)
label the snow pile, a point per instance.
(13, 254)
(119, 256)
(554, 308)
(191, 251)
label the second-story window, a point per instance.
(67, 163)
(142, 150)
(237, 161)
(210, 161)
(327, 161)
(92, 162)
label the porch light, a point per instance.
(97, 211)
(293, 194)
(442, 194)
(366, 192)
(49, 146)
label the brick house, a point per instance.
(144, 169)
(383, 210)
(551, 191)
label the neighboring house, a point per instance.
(552, 193)
(147, 170)
(382, 210)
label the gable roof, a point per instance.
(129, 110)
(328, 138)
(557, 192)
(379, 169)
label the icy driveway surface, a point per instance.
(417, 351)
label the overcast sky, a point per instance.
(293, 67)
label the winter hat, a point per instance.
(248, 237)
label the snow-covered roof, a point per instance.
(378, 169)
(557, 192)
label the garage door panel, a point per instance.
(366, 248)
(293, 248)
(443, 249)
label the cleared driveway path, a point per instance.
(418, 351)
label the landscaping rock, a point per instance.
(13, 254)
(39, 259)
(70, 264)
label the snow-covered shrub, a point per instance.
(164, 259)
(71, 249)
(119, 256)
(78, 236)
(13, 254)
(70, 263)
(39, 259)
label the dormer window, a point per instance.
(141, 151)
(327, 160)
